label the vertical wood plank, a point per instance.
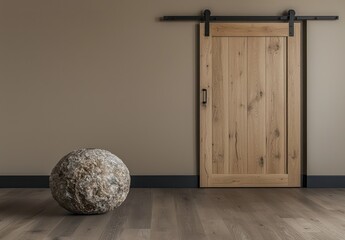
(205, 110)
(238, 104)
(294, 108)
(275, 104)
(256, 105)
(220, 136)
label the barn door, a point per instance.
(250, 105)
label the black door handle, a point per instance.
(204, 96)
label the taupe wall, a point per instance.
(108, 74)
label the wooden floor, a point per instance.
(161, 214)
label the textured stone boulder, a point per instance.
(90, 181)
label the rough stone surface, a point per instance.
(90, 181)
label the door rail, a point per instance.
(289, 16)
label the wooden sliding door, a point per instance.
(250, 115)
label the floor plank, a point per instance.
(164, 219)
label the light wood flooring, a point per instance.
(259, 214)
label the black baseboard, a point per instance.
(164, 181)
(24, 181)
(325, 181)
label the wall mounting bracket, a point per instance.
(206, 17)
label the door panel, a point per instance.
(250, 125)
(238, 104)
(256, 94)
(275, 104)
(220, 112)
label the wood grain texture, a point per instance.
(66, 227)
(238, 104)
(256, 105)
(189, 224)
(42, 225)
(276, 104)
(250, 30)
(205, 112)
(294, 108)
(88, 229)
(220, 111)
(212, 223)
(248, 180)
(253, 84)
(164, 220)
(237, 213)
(118, 218)
(136, 208)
